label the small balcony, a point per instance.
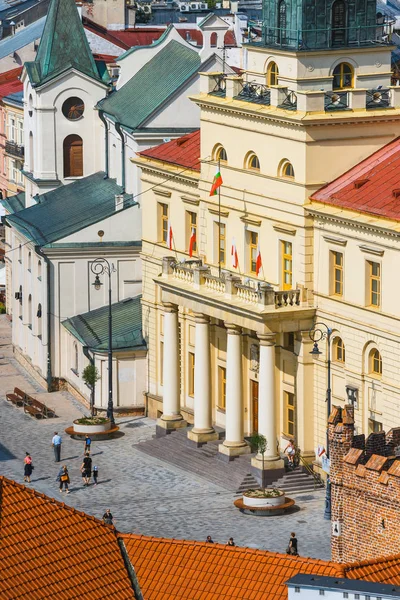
(14, 149)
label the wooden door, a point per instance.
(254, 405)
(73, 156)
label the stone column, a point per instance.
(267, 405)
(202, 430)
(171, 417)
(234, 443)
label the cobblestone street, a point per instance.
(145, 494)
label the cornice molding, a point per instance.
(285, 229)
(369, 250)
(164, 193)
(250, 221)
(215, 211)
(335, 240)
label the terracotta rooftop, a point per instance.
(184, 151)
(372, 186)
(50, 550)
(168, 569)
(380, 570)
(10, 82)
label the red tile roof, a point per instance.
(379, 570)
(183, 152)
(50, 550)
(169, 569)
(10, 83)
(372, 186)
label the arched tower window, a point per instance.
(73, 156)
(213, 39)
(252, 162)
(343, 76)
(282, 22)
(272, 74)
(338, 23)
(286, 169)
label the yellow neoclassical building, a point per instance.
(229, 342)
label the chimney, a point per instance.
(119, 202)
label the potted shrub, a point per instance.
(264, 496)
(90, 375)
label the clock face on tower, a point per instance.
(73, 108)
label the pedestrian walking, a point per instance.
(95, 474)
(230, 542)
(28, 467)
(56, 443)
(209, 540)
(86, 469)
(292, 548)
(88, 443)
(107, 517)
(64, 479)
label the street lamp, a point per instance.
(319, 332)
(101, 266)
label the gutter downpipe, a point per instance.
(119, 130)
(49, 377)
(102, 118)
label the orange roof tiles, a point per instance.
(169, 569)
(184, 151)
(50, 550)
(10, 82)
(379, 570)
(372, 186)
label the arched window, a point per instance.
(30, 312)
(20, 302)
(338, 23)
(343, 76)
(272, 74)
(282, 22)
(73, 156)
(375, 362)
(31, 153)
(39, 320)
(29, 261)
(286, 170)
(39, 270)
(213, 39)
(20, 253)
(252, 162)
(220, 154)
(75, 357)
(339, 352)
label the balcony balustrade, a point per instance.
(14, 149)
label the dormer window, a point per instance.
(343, 77)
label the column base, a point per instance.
(166, 424)
(274, 468)
(229, 450)
(202, 436)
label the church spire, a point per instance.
(63, 45)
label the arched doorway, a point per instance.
(73, 156)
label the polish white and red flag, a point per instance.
(170, 236)
(258, 260)
(234, 254)
(192, 242)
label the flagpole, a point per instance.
(219, 223)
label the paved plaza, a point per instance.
(146, 495)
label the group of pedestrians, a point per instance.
(86, 467)
(291, 549)
(230, 542)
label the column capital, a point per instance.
(201, 318)
(168, 307)
(267, 339)
(233, 329)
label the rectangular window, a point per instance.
(337, 273)
(191, 219)
(222, 387)
(20, 133)
(191, 374)
(374, 271)
(287, 265)
(219, 243)
(11, 130)
(161, 363)
(163, 222)
(374, 426)
(253, 246)
(289, 413)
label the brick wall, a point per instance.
(365, 480)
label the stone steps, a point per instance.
(296, 481)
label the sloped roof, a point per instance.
(372, 186)
(14, 204)
(69, 208)
(184, 151)
(22, 38)
(150, 87)
(50, 550)
(379, 570)
(91, 328)
(10, 82)
(63, 45)
(168, 569)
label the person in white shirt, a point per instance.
(56, 443)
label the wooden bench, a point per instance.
(17, 398)
(35, 412)
(47, 412)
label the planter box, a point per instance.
(261, 502)
(98, 428)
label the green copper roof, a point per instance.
(63, 45)
(69, 208)
(156, 81)
(91, 328)
(14, 204)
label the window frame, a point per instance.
(375, 360)
(218, 151)
(285, 164)
(163, 218)
(221, 405)
(374, 279)
(191, 224)
(342, 74)
(337, 273)
(339, 350)
(272, 74)
(286, 408)
(220, 243)
(289, 257)
(252, 248)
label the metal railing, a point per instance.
(310, 471)
(336, 100)
(15, 149)
(256, 93)
(378, 98)
(290, 102)
(220, 85)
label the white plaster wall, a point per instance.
(122, 226)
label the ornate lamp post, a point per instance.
(101, 266)
(319, 332)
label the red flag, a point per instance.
(234, 254)
(169, 236)
(258, 260)
(192, 242)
